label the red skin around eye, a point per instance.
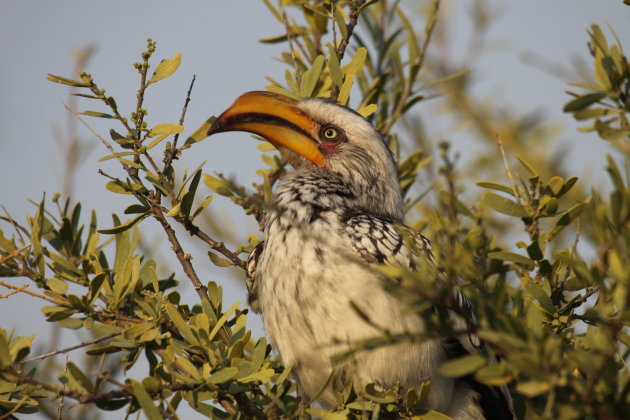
(329, 147)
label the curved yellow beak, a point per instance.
(274, 117)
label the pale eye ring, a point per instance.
(330, 133)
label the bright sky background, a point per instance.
(218, 41)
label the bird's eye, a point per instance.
(331, 134)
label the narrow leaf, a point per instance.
(218, 261)
(125, 226)
(311, 77)
(462, 366)
(201, 133)
(503, 205)
(145, 401)
(187, 201)
(583, 101)
(512, 257)
(66, 81)
(495, 186)
(96, 114)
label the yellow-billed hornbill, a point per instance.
(339, 212)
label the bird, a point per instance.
(332, 219)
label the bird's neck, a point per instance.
(306, 193)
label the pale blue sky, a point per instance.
(218, 41)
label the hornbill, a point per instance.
(334, 217)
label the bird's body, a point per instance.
(332, 219)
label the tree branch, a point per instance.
(67, 349)
(13, 254)
(28, 292)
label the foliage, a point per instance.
(557, 320)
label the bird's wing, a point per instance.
(377, 239)
(250, 272)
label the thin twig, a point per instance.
(21, 289)
(28, 292)
(217, 246)
(105, 142)
(508, 170)
(352, 22)
(170, 154)
(68, 349)
(340, 49)
(407, 92)
(85, 398)
(13, 254)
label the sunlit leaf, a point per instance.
(166, 68)
(504, 205)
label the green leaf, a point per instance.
(357, 62)
(333, 66)
(175, 211)
(95, 287)
(344, 91)
(583, 101)
(223, 320)
(527, 166)
(274, 39)
(96, 114)
(495, 186)
(263, 376)
(341, 23)
(201, 133)
(162, 131)
(311, 77)
(205, 203)
(116, 155)
(115, 188)
(462, 366)
(495, 375)
(5, 360)
(566, 187)
(145, 401)
(567, 218)
(532, 388)
(66, 81)
(165, 129)
(367, 110)
(187, 201)
(223, 375)
(219, 261)
(180, 324)
(125, 226)
(512, 257)
(503, 205)
(539, 294)
(80, 377)
(136, 209)
(166, 68)
(606, 131)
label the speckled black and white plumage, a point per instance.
(327, 228)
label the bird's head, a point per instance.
(320, 135)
